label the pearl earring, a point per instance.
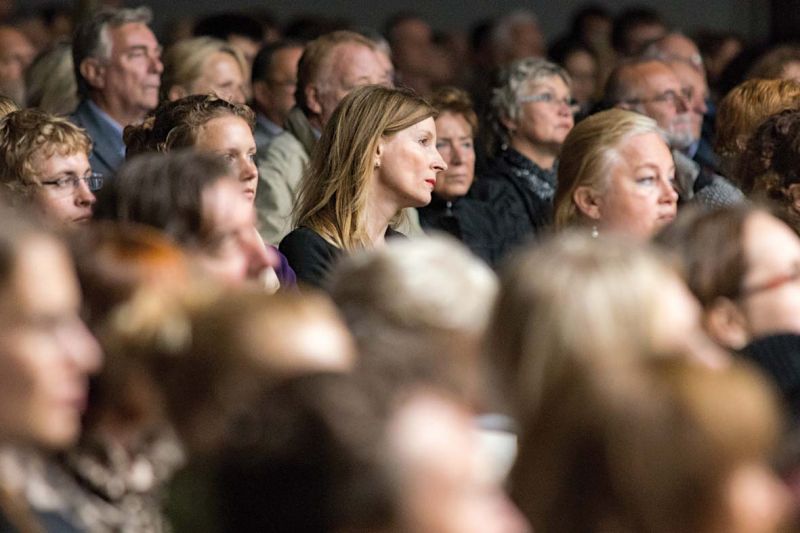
(595, 232)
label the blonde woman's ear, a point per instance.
(587, 201)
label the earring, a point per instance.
(595, 232)
(378, 163)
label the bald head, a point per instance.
(677, 46)
(651, 87)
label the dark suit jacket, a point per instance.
(106, 141)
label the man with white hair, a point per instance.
(118, 71)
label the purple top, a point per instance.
(285, 274)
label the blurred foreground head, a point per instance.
(46, 352)
(663, 445)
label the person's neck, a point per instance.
(117, 111)
(276, 117)
(315, 121)
(543, 156)
(380, 212)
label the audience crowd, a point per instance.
(311, 277)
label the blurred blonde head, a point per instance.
(579, 298)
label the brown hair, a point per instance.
(744, 108)
(458, 102)
(175, 124)
(771, 163)
(645, 447)
(114, 260)
(204, 350)
(709, 245)
(333, 193)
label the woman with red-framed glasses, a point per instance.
(743, 264)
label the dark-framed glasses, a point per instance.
(669, 96)
(551, 99)
(70, 183)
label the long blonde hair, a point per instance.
(333, 194)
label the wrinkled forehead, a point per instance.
(128, 35)
(652, 79)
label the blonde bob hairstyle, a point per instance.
(186, 60)
(335, 188)
(591, 149)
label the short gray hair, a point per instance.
(512, 81)
(91, 37)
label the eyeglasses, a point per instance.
(773, 283)
(669, 96)
(69, 184)
(549, 98)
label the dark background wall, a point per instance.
(748, 17)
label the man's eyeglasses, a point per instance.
(669, 96)
(772, 283)
(549, 98)
(69, 184)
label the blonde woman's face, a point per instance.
(408, 165)
(223, 77)
(639, 198)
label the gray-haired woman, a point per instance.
(532, 113)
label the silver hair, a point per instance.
(394, 288)
(93, 40)
(512, 81)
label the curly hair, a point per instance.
(175, 124)
(30, 135)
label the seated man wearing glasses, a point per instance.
(44, 161)
(650, 86)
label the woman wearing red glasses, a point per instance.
(743, 264)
